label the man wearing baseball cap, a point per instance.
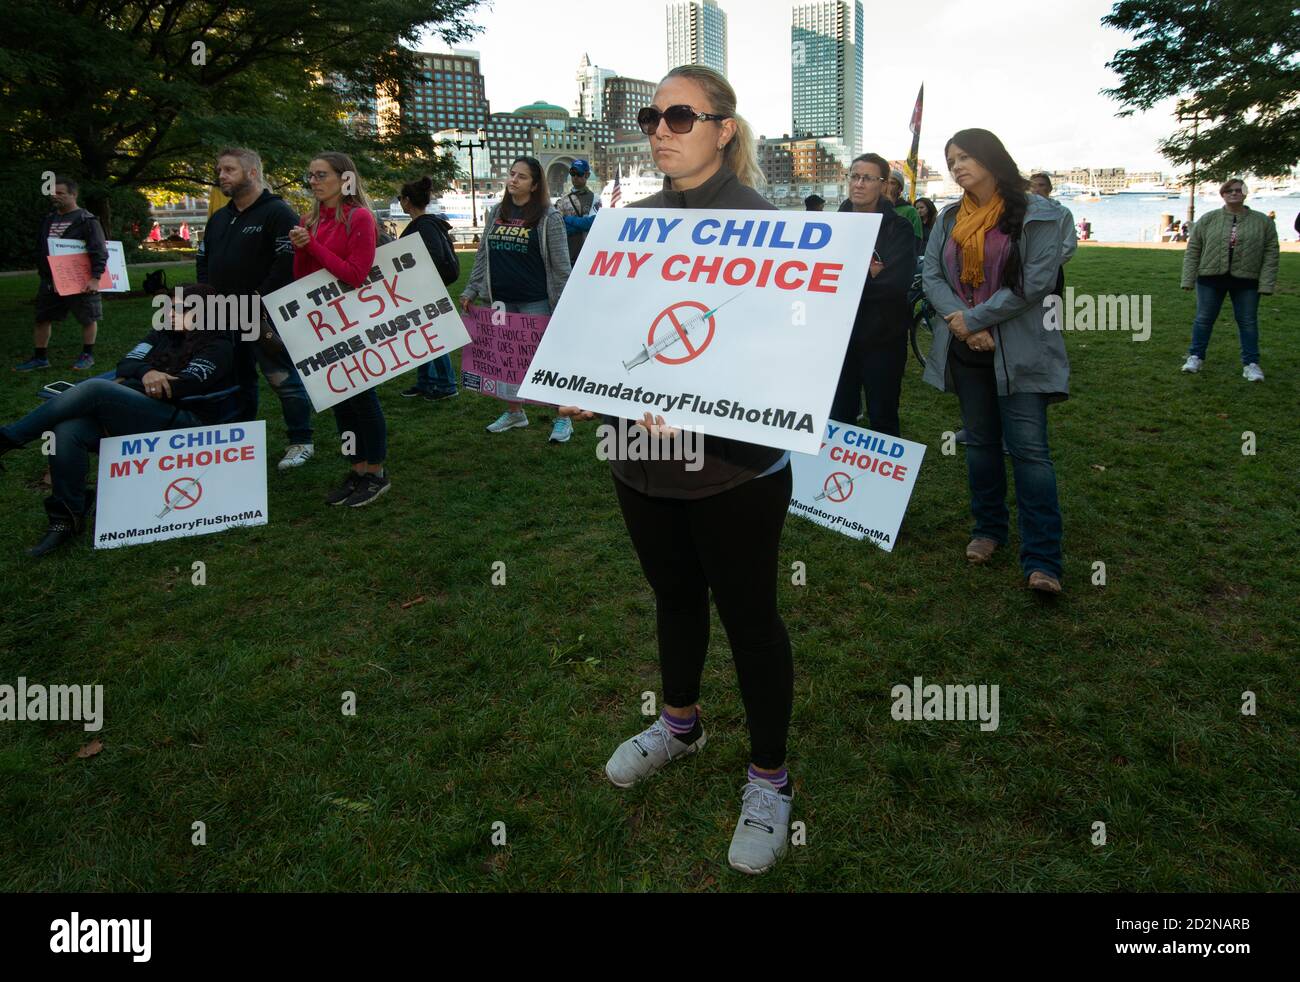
(894, 192)
(578, 207)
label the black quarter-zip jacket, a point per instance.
(247, 252)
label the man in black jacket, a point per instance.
(67, 221)
(246, 252)
(877, 354)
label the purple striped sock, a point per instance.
(778, 780)
(677, 724)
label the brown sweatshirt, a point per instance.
(726, 463)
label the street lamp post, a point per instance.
(1196, 118)
(471, 145)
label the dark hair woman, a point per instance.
(159, 385)
(925, 208)
(716, 529)
(991, 261)
(339, 234)
(522, 261)
(434, 380)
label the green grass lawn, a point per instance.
(479, 704)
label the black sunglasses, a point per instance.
(681, 119)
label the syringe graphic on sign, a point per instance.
(672, 337)
(182, 495)
(834, 487)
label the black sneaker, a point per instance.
(412, 392)
(369, 487)
(439, 396)
(344, 491)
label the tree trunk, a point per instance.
(99, 205)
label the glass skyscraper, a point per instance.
(697, 35)
(826, 71)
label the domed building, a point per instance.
(548, 112)
(552, 135)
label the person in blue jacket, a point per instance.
(578, 207)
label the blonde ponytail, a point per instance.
(740, 153)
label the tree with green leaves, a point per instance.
(140, 94)
(1233, 61)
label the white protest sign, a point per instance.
(859, 483)
(734, 322)
(345, 340)
(176, 483)
(115, 271)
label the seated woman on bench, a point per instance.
(171, 380)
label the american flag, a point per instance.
(616, 195)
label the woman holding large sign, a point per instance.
(522, 262)
(339, 234)
(716, 527)
(990, 261)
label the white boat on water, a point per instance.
(457, 207)
(631, 187)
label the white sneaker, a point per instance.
(1253, 373)
(508, 421)
(296, 455)
(561, 431)
(1193, 364)
(763, 830)
(646, 753)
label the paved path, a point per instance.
(174, 262)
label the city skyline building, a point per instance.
(826, 71)
(447, 94)
(697, 34)
(624, 98)
(590, 103)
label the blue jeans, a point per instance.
(78, 417)
(436, 377)
(362, 416)
(1245, 308)
(286, 383)
(540, 308)
(1021, 420)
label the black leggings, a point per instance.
(726, 543)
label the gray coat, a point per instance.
(1028, 358)
(554, 246)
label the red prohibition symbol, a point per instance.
(672, 319)
(187, 492)
(838, 486)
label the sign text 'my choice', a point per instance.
(789, 274)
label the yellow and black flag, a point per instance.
(916, 143)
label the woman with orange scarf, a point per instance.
(991, 260)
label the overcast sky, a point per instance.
(1029, 70)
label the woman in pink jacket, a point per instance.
(339, 234)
